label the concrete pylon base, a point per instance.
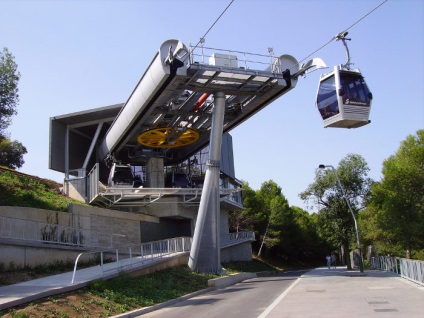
(205, 254)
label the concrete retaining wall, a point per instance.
(240, 252)
(161, 264)
(20, 254)
(38, 215)
(103, 228)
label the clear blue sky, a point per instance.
(78, 55)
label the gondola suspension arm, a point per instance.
(342, 36)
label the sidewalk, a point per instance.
(14, 295)
(328, 293)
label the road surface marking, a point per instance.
(275, 302)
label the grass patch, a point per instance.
(28, 191)
(151, 289)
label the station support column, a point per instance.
(205, 254)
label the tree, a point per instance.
(302, 240)
(240, 220)
(397, 202)
(272, 205)
(261, 213)
(277, 207)
(11, 152)
(334, 217)
(243, 220)
(9, 98)
(281, 231)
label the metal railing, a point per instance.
(93, 183)
(19, 229)
(122, 259)
(410, 269)
(237, 237)
(230, 190)
(245, 60)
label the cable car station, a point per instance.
(134, 156)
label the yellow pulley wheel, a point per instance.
(167, 137)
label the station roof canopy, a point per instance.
(82, 127)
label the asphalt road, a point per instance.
(248, 299)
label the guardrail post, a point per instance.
(117, 257)
(101, 262)
(75, 268)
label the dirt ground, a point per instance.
(74, 304)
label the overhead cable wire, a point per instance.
(366, 15)
(335, 37)
(222, 13)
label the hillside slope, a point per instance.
(19, 189)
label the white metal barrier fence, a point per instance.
(123, 259)
(93, 183)
(237, 237)
(407, 268)
(205, 55)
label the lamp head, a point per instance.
(321, 166)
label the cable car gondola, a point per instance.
(343, 98)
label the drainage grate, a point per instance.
(378, 302)
(386, 310)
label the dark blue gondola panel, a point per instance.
(354, 90)
(327, 98)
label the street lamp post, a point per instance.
(361, 268)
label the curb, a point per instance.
(230, 280)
